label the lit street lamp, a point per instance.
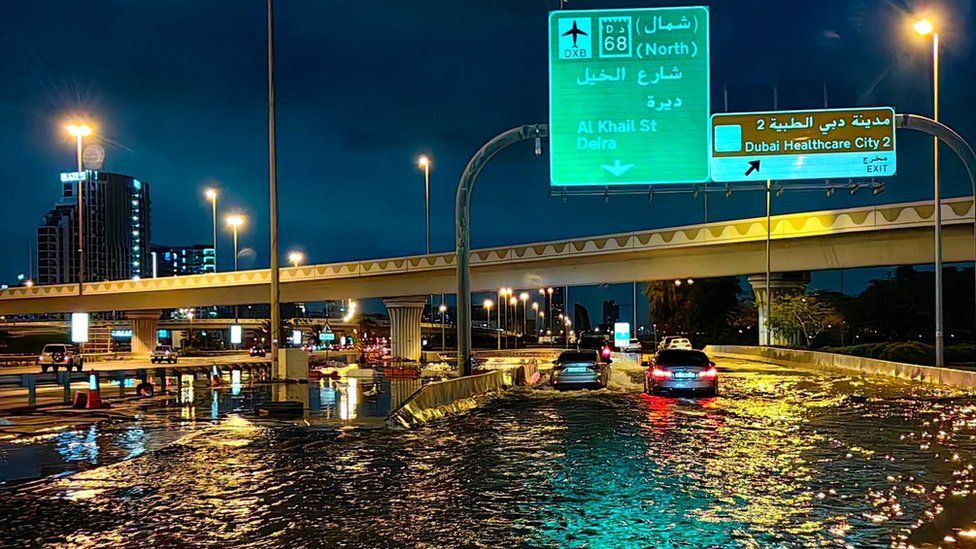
(513, 302)
(234, 222)
(79, 132)
(524, 297)
(535, 308)
(443, 309)
(487, 305)
(212, 197)
(925, 27)
(295, 258)
(424, 163)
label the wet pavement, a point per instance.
(781, 458)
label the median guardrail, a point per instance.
(441, 398)
(848, 364)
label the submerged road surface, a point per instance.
(780, 458)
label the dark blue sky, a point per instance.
(364, 87)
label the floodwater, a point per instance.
(780, 458)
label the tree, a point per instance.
(806, 315)
(700, 308)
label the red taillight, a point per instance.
(660, 374)
(710, 373)
(605, 352)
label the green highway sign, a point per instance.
(629, 96)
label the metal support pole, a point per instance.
(273, 191)
(30, 382)
(64, 379)
(214, 208)
(462, 227)
(937, 200)
(769, 291)
(120, 377)
(965, 153)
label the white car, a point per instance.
(164, 353)
(54, 355)
(674, 342)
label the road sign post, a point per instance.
(629, 96)
(816, 144)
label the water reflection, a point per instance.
(779, 459)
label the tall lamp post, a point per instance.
(296, 258)
(212, 197)
(524, 298)
(79, 132)
(925, 27)
(424, 163)
(487, 305)
(235, 222)
(535, 322)
(443, 309)
(513, 302)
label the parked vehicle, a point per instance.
(258, 352)
(681, 370)
(580, 369)
(55, 355)
(164, 353)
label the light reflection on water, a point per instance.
(778, 459)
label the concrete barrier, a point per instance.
(443, 398)
(848, 364)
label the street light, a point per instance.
(535, 309)
(498, 335)
(295, 258)
(443, 309)
(79, 132)
(234, 222)
(211, 194)
(524, 297)
(513, 302)
(925, 27)
(424, 163)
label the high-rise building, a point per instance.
(182, 260)
(116, 231)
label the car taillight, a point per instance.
(605, 352)
(710, 373)
(660, 374)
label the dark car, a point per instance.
(595, 343)
(583, 369)
(258, 352)
(681, 370)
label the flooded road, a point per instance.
(779, 458)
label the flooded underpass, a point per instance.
(779, 458)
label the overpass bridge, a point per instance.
(870, 236)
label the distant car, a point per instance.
(674, 342)
(634, 346)
(54, 355)
(164, 353)
(579, 369)
(595, 343)
(681, 370)
(258, 352)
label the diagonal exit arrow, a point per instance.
(617, 169)
(753, 166)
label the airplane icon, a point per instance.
(575, 32)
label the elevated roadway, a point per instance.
(883, 235)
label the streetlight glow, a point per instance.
(295, 258)
(488, 304)
(423, 162)
(923, 27)
(234, 220)
(211, 193)
(442, 308)
(78, 130)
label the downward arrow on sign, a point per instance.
(617, 169)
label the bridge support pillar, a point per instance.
(405, 337)
(145, 327)
(780, 283)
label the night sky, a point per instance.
(178, 91)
